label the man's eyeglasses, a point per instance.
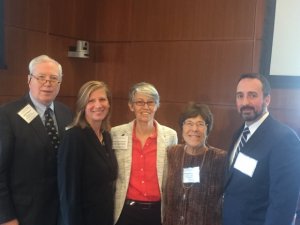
(142, 103)
(190, 124)
(42, 79)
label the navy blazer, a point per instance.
(87, 172)
(28, 181)
(269, 197)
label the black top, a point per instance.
(87, 171)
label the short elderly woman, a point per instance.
(194, 173)
(87, 166)
(140, 147)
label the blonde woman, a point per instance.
(87, 166)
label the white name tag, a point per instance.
(191, 175)
(120, 142)
(245, 164)
(28, 113)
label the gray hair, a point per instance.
(42, 59)
(146, 89)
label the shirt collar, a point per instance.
(253, 127)
(40, 108)
(153, 135)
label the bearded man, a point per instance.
(263, 177)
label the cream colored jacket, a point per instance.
(122, 134)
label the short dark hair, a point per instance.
(194, 110)
(266, 88)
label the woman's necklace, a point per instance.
(184, 186)
(101, 138)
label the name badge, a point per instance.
(191, 175)
(245, 164)
(120, 142)
(28, 113)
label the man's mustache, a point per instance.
(247, 107)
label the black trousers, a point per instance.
(140, 213)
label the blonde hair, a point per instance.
(82, 100)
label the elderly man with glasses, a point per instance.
(30, 131)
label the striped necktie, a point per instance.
(242, 143)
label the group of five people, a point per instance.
(136, 173)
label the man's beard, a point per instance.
(252, 115)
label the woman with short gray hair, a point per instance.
(140, 147)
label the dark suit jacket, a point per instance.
(268, 197)
(28, 180)
(87, 172)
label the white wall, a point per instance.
(285, 59)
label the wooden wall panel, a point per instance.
(193, 19)
(29, 14)
(114, 20)
(226, 122)
(184, 71)
(21, 46)
(259, 19)
(76, 70)
(120, 112)
(4, 98)
(73, 18)
(69, 101)
(112, 64)
(289, 116)
(286, 99)
(257, 47)
(190, 50)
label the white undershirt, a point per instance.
(252, 128)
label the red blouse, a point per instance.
(143, 183)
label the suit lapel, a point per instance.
(37, 125)
(60, 120)
(250, 145)
(257, 137)
(229, 169)
(128, 151)
(39, 129)
(161, 152)
(161, 146)
(96, 146)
